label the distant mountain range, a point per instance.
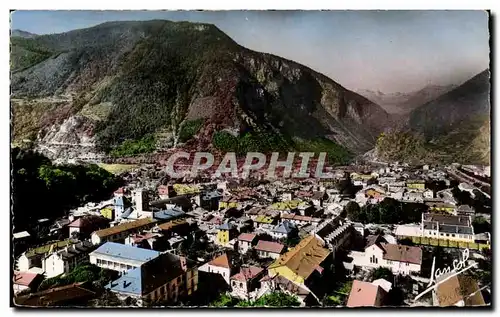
(120, 85)
(21, 33)
(404, 102)
(454, 127)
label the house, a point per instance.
(148, 240)
(465, 210)
(317, 198)
(166, 191)
(281, 283)
(179, 226)
(299, 220)
(65, 260)
(33, 259)
(226, 232)
(209, 200)
(84, 226)
(413, 196)
(246, 281)
(265, 222)
(284, 230)
(268, 249)
(447, 227)
(121, 257)
(121, 231)
(246, 241)
(162, 280)
(439, 206)
(428, 194)
(365, 294)
(400, 259)
(300, 262)
(26, 280)
(72, 295)
(459, 290)
(415, 184)
(220, 265)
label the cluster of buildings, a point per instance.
(271, 236)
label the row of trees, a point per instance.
(273, 299)
(388, 211)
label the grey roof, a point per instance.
(226, 226)
(285, 227)
(455, 229)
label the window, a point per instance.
(241, 285)
(233, 283)
(453, 235)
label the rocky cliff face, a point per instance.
(127, 80)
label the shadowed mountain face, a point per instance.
(455, 127)
(469, 101)
(127, 80)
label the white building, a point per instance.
(65, 260)
(220, 265)
(400, 259)
(245, 242)
(121, 257)
(428, 194)
(268, 249)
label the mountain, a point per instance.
(467, 102)
(21, 33)
(122, 86)
(454, 127)
(402, 103)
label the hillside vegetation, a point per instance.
(187, 82)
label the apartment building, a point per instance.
(448, 227)
(121, 257)
(121, 231)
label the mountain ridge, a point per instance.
(132, 79)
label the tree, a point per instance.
(382, 272)
(352, 209)
(481, 225)
(274, 299)
(224, 300)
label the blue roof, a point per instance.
(130, 282)
(126, 213)
(285, 227)
(168, 214)
(126, 252)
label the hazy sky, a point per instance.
(378, 50)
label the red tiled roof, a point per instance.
(24, 278)
(364, 294)
(247, 273)
(402, 253)
(221, 261)
(269, 246)
(249, 237)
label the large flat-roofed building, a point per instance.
(121, 257)
(457, 228)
